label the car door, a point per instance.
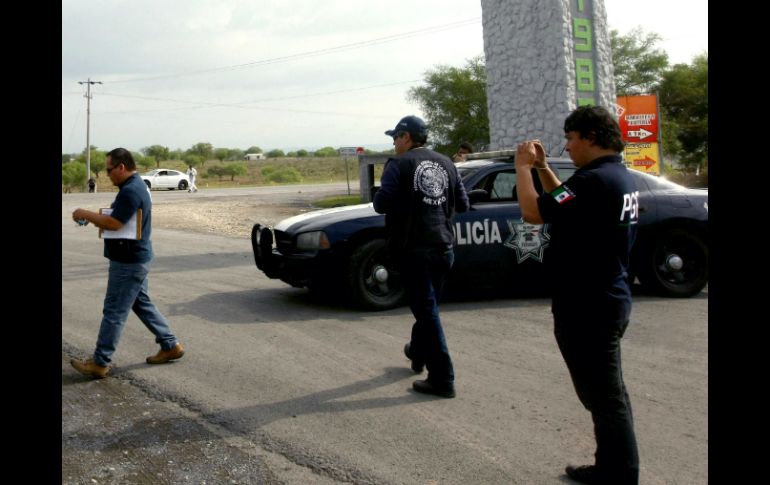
(162, 179)
(493, 245)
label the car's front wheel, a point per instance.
(149, 185)
(676, 265)
(373, 283)
(182, 185)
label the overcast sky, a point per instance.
(283, 74)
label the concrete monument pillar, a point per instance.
(544, 58)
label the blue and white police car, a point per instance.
(343, 249)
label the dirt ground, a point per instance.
(226, 216)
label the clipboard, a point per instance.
(132, 229)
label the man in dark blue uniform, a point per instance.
(593, 218)
(419, 193)
(130, 260)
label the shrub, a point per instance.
(281, 175)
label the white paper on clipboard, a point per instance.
(132, 229)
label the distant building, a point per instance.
(254, 156)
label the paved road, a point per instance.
(277, 387)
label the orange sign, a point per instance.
(638, 118)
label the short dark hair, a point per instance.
(121, 155)
(597, 123)
(418, 138)
(466, 146)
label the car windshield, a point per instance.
(151, 173)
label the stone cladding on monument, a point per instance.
(543, 59)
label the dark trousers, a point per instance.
(424, 272)
(591, 350)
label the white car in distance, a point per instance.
(163, 178)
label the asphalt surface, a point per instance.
(278, 387)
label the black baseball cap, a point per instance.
(409, 124)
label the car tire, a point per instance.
(149, 185)
(183, 185)
(676, 264)
(372, 283)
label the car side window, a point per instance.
(499, 185)
(502, 188)
(163, 172)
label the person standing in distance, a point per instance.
(593, 217)
(419, 193)
(192, 174)
(464, 149)
(130, 259)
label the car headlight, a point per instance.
(312, 240)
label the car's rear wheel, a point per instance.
(182, 185)
(372, 282)
(676, 265)
(149, 185)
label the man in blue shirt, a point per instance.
(420, 191)
(593, 217)
(130, 261)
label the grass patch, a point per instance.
(338, 201)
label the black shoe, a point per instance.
(416, 366)
(427, 387)
(585, 474)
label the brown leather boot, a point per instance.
(90, 368)
(164, 356)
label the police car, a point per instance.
(342, 250)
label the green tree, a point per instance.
(235, 154)
(221, 153)
(454, 101)
(158, 153)
(639, 64)
(302, 153)
(254, 149)
(275, 153)
(326, 152)
(73, 174)
(145, 162)
(281, 175)
(192, 159)
(218, 170)
(685, 105)
(203, 150)
(233, 169)
(98, 160)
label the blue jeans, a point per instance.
(591, 350)
(127, 290)
(424, 272)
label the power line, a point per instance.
(240, 106)
(244, 104)
(314, 53)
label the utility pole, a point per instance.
(88, 123)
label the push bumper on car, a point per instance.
(262, 243)
(295, 270)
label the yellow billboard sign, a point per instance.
(643, 157)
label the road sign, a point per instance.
(643, 157)
(638, 117)
(350, 151)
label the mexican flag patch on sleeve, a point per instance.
(562, 194)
